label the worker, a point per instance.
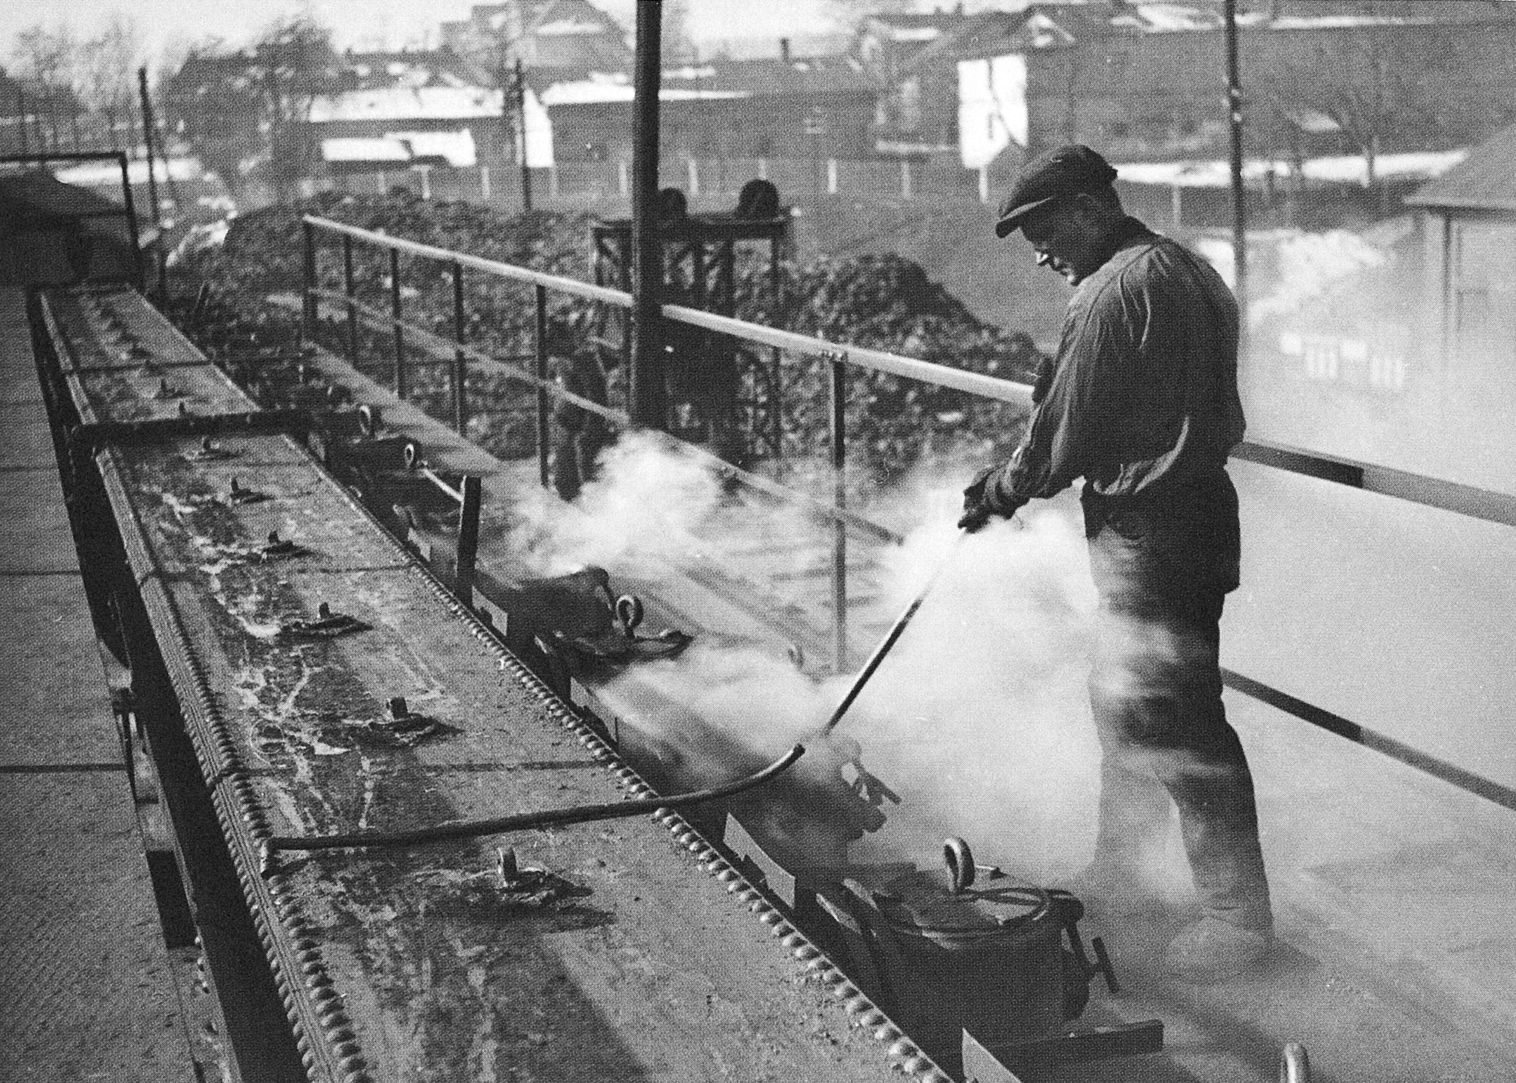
(1141, 401)
(581, 434)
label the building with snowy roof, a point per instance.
(777, 107)
(1147, 80)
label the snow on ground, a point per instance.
(1341, 169)
(109, 172)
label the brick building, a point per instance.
(781, 107)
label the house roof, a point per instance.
(407, 103)
(1485, 180)
(374, 149)
(408, 68)
(1059, 23)
(723, 78)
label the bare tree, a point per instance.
(107, 65)
(677, 43)
(1386, 88)
(293, 64)
(247, 112)
(46, 59)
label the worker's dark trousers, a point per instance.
(1162, 572)
(574, 455)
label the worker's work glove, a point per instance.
(982, 501)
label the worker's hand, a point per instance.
(975, 519)
(974, 492)
(982, 501)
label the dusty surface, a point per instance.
(633, 963)
(88, 994)
(87, 991)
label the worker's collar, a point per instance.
(1127, 229)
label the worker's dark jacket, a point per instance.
(1143, 404)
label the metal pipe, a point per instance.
(468, 538)
(436, 479)
(308, 293)
(543, 436)
(349, 290)
(1239, 208)
(890, 638)
(648, 408)
(460, 363)
(837, 400)
(400, 380)
(528, 821)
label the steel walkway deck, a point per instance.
(89, 990)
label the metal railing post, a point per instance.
(131, 210)
(349, 289)
(837, 400)
(400, 380)
(542, 374)
(472, 488)
(460, 363)
(308, 298)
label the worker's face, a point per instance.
(1066, 237)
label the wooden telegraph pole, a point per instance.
(645, 381)
(1239, 208)
(519, 86)
(152, 154)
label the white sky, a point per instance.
(360, 23)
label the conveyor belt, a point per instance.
(616, 951)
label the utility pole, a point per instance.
(1239, 208)
(519, 84)
(645, 384)
(147, 132)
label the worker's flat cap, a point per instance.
(1053, 174)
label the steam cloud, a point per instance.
(979, 719)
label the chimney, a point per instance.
(784, 50)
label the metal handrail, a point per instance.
(1462, 499)
(878, 360)
(478, 263)
(1433, 492)
(990, 387)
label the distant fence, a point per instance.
(711, 184)
(582, 183)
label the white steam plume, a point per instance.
(979, 718)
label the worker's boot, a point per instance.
(1211, 950)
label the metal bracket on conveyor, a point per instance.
(604, 627)
(277, 547)
(327, 625)
(1070, 912)
(237, 495)
(94, 435)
